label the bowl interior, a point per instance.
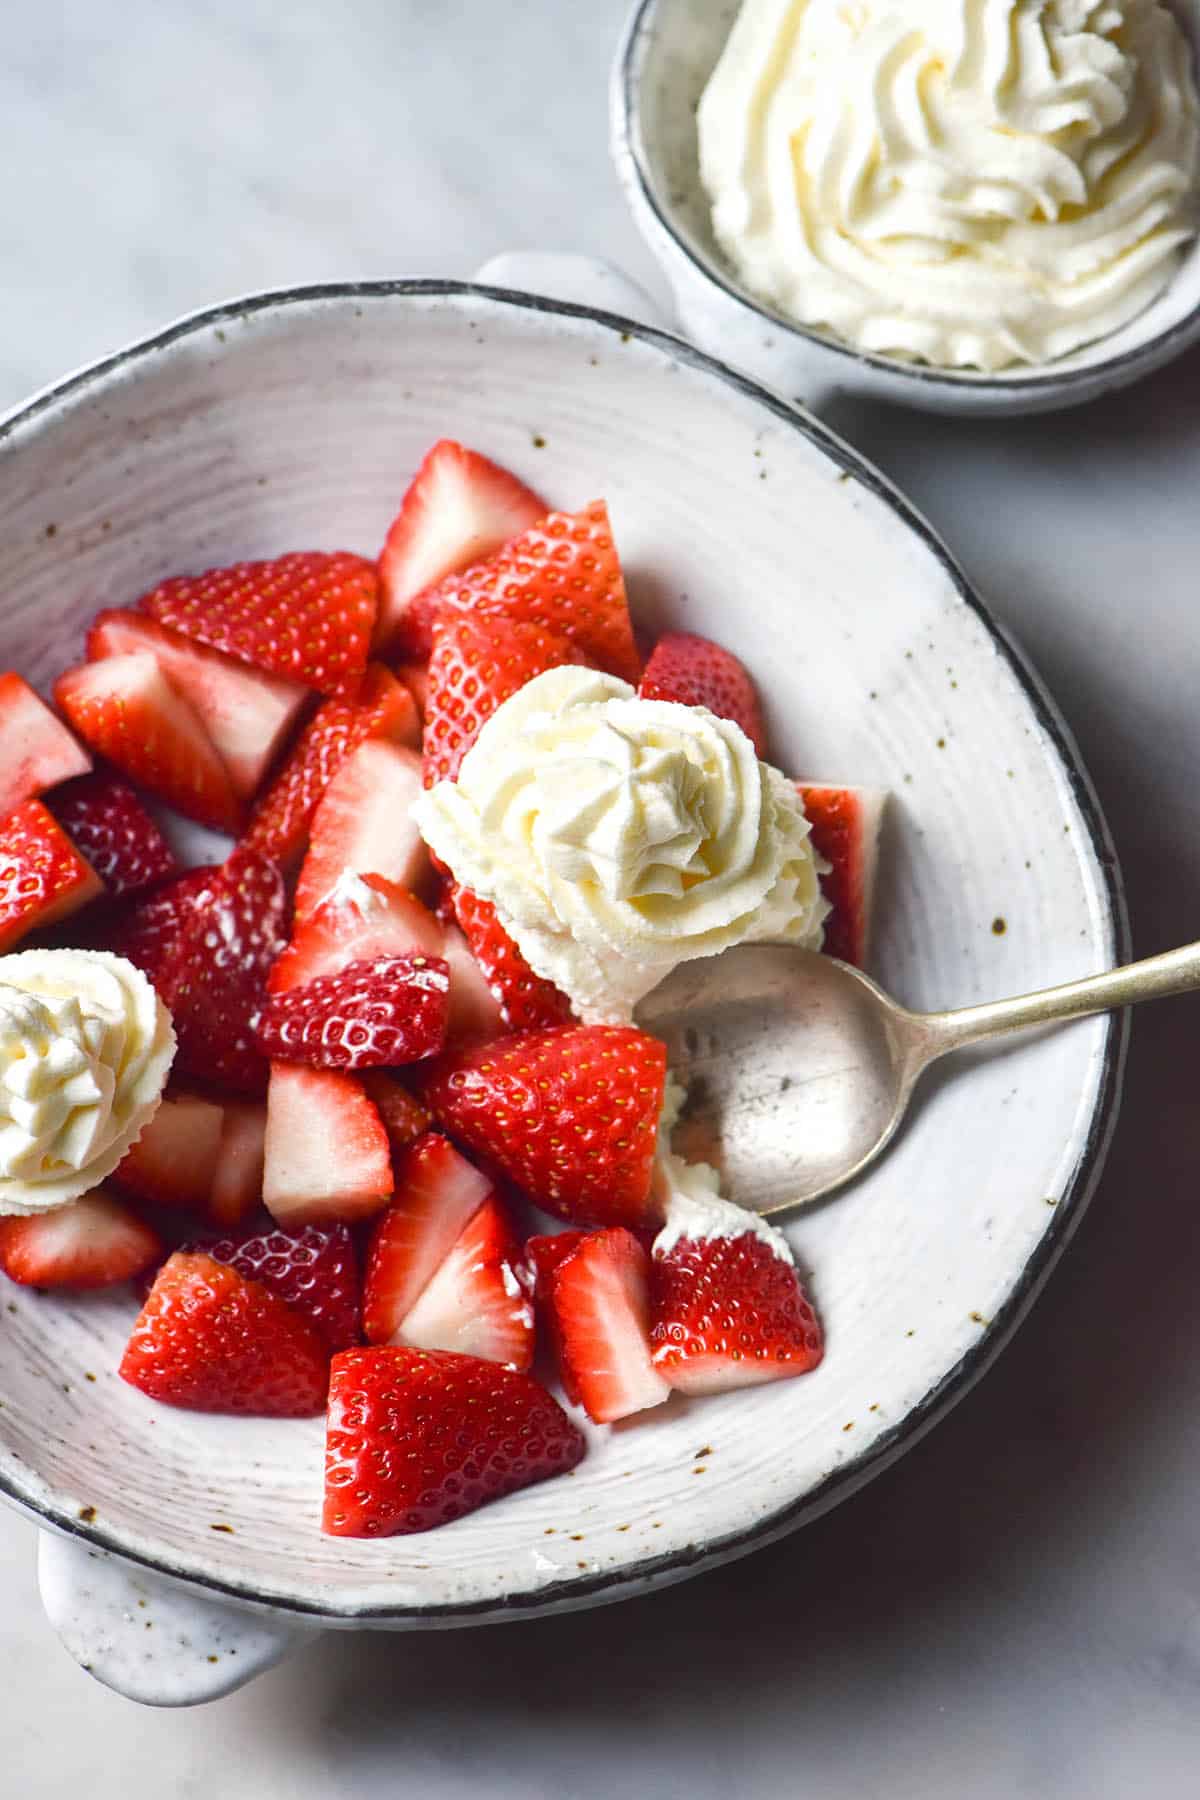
(296, 424)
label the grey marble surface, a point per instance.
(1015, 1609)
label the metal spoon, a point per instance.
(799, 1069)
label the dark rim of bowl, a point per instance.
(837, 1486)
(1158, 348)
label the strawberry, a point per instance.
(36, 749)
(600, 1304)
(314, 1269)
(543, 1256)
(92, 1243)
(571, 1115)
(476, 664)
(371, 1014)
(727, 1306)
(128, 711)
(175, 1159)
(105, 820)
(210, 1340)
(247, 715)
(307, 616)
(419, 1437)
(475, 1016)
(405, 1118)
(382, 708)
(458, 509)
(360, 918)
(563, 576)
(438, 1192)
(148, 930)
(362, 824)
(693, 671)
(477, 1301)
(527, 1001)
(846, 824)
(42, 875)
(237, 1182)
(415, 676)
(327, 1154)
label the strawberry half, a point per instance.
(476, 664)
(600, 1303)
(237, 1182)
(327, 1153)
(174, 1161)
(314, 1269)
(419, 1437)
(437, 1193)
(846, 823)
(369, 1015)
(570, 1115)
(307, 616)
(477, 1302)
(458, 509)
(211, 1341)
(43, 878)
(382, 708)
(405, 1118)
(693, 671)
(36, 749)
(542, 1257)
(105, 820)
(362, 824)
(361, 917)
(475, 1016)
(92, 1243)
(527, 1001)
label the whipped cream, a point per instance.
(968, 182)
(85, 1046)
(617, 837)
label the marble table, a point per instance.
(1012, 1611)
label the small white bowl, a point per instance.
(667, 53)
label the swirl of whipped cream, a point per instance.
(85, 1046)
(618, 837)
(967, 182)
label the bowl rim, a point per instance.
(627, 1580)
(632, 166)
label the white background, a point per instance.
(1015, 1609)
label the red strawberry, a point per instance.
(307, 616)
(237, 1182)
(475, 1016)
(693, 671)
(314, 1269)
(360, 918)
(476, 664)
(247, 714)
(92, 1243)
(42, 875)
(36, 750)
(729, 1311)
(327, 1153)
(459, 508)
(405, 1118)
(570, 1115)
(438, 1192)
(362, 825)
(382, 708)
(148, 930)
(415, 676)
(129, 712)
(600, 1303)
(563, 576)
(543, 1256)
(209, 1340)
(419, 1437)
(370, 1015)
(527, 1001)
(477, 1301)
(175, 1159)
(845, 831)
(104, 819)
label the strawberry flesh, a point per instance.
(362, 824)
(370, 1015)
(174, 1161)
(600, 1303)
(327, 1153)
(92, 1243)
(477, 1302)
(361, 918)
(438, 1192)
(36, 749)
(42, 875)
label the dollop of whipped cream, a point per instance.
(966, 182)
(617, 837)
(85, 1047)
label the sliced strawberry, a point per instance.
(148, 930)
(314, 1269)
(419, 1437)
(374, 1014)
(237, 1182)
(600, 1301)
(475, 1016)
(845, 830)
(693, 671)
(437, 1193)
(415, 676)
(543, 1255)
(246, 713)
(477, 1302)
(327, 1151)
(360, 918)
(405, 1118)
(362, 825)
(174, 1161)
(210, 1340)
(476, 664)
(382, 708)
(527, 1001)
(458, 509)
(570, 1115)
(92, 1243)
(36, 749)
(128, 711)
(42, 875)
(104, 819)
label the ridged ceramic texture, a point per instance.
(297, 424)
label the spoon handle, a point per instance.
(1175, 972)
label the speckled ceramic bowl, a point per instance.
(296, 420)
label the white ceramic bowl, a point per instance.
(668, 51)
(295, 420)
